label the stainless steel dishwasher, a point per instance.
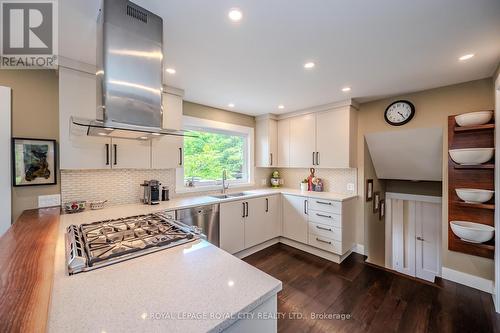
(204, 217)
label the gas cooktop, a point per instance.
(97, 244)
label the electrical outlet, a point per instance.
(263, 182)
(49, 200)
(350, 186)
(282, 181)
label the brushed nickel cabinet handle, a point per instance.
(324, 203)
(321, 215)
(323, 241)
(321, 228)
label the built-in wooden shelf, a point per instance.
(470, 176)
(475, 128)
(475, 205)
(480, 166)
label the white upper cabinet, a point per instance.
(266, 142)
(284, 143)
(77, 97)
(336, 138)
(131, 154)
(302, 140)
(167, 152)
(172, 111)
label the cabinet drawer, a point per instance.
(325, 205)
(325, 231)
(325, 243)
(325, 218)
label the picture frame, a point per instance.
(376, 202)
(369, 190)
(34, 162)
(381, 213)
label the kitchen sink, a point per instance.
(229, 195)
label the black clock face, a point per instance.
(399, 113)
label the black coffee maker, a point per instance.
(151, 192)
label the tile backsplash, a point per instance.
(123, 186)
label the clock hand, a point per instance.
(400, 114)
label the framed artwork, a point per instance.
(369, 190)
(376, 202)
(33, 162)
(381, 213)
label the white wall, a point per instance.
(5, 175)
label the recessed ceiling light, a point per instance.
(281, 106)
(170, 71)
(235, 15)
(231, 105)
(309, 65)
(346, 89)
(466, 57)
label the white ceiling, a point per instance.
(379, 48)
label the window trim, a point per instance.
(206, 125)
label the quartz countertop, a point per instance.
(195, 287)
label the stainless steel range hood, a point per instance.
(129, 73)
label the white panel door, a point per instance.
(172, 111)
(232, 226)
(427, 232)
(332, 139)
(295, 225)
(263, 220)
(403, 236)
(5, 165)
(77, 97)
(302, 140)
(131, 154)
(283, 143)
(166, 152)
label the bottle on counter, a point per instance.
(165, 193)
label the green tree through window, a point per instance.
(208, 154)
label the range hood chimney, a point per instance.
(129, 73)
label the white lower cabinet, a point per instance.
(295, 218)
(247, 223)
(232, 226)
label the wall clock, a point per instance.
(399, 113)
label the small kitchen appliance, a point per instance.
(151, 192)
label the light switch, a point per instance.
(49, 200)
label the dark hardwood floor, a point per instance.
(362, 298)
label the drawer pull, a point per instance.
(322, 241)
(324, 203)
(321, 228)
(321, 215)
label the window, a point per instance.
(216, 147)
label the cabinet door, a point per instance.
(295, 224)
(131, 154)
(266, 136)
(256, 223)
(166, 152)
(428, 233)
(302, 140)
(333, 130)
(77, 97)
(232, 226)
(283, 143)
(273, 216)
(172, 111)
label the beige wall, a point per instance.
(34, 115)
(207, 112)
(432, 109)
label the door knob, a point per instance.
(420, 238)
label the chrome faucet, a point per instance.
(224, 179)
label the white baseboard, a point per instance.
(359, 249)
(245, 253)
(468, 280)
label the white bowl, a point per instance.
(474, 195)
(471, 156)
(472, 232)
(474, 118)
